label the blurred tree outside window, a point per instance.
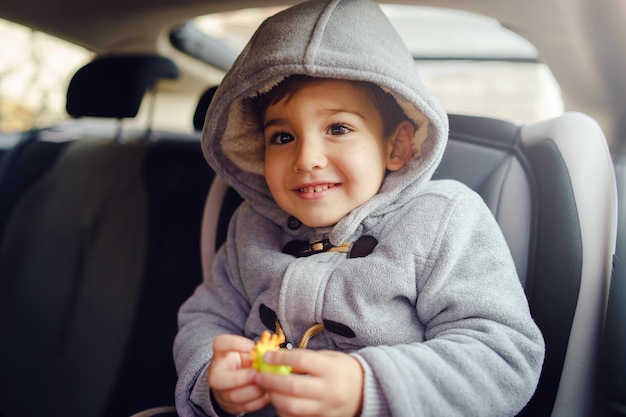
(35, 69)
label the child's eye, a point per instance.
(280, 138)
(338, 129)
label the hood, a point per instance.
(344, 39)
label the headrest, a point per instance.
(113, 86)
(203, 106)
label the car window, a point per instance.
(35, 69)
(472, 63)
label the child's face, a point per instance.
(325, 153)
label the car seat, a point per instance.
(123, 81)
(613, 374)
(100, 248)
(201, 108)
(551, 187)
(563, 193)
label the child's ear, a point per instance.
(400, 146)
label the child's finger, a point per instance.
(241, 395)
(291, 386)
(243, 399)
(231, 379)
(301, 360)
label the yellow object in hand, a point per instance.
(266, 344)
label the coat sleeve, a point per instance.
(482, 353)
(217, 306)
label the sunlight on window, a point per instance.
(514, 91)
(472, 64)
(35, 69)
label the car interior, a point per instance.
(108, 221)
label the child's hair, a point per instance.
(389, 110)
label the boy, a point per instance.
(402, 289)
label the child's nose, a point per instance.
(310, 155)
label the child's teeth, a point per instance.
(316, 189)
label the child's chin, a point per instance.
(319, 223)
(319, 217)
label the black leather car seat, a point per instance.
(100, 247)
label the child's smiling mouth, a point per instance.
(312, 191)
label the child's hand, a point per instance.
(230, 377)
(323, 383)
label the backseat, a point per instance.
(99, 246)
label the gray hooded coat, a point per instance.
(435, 313)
